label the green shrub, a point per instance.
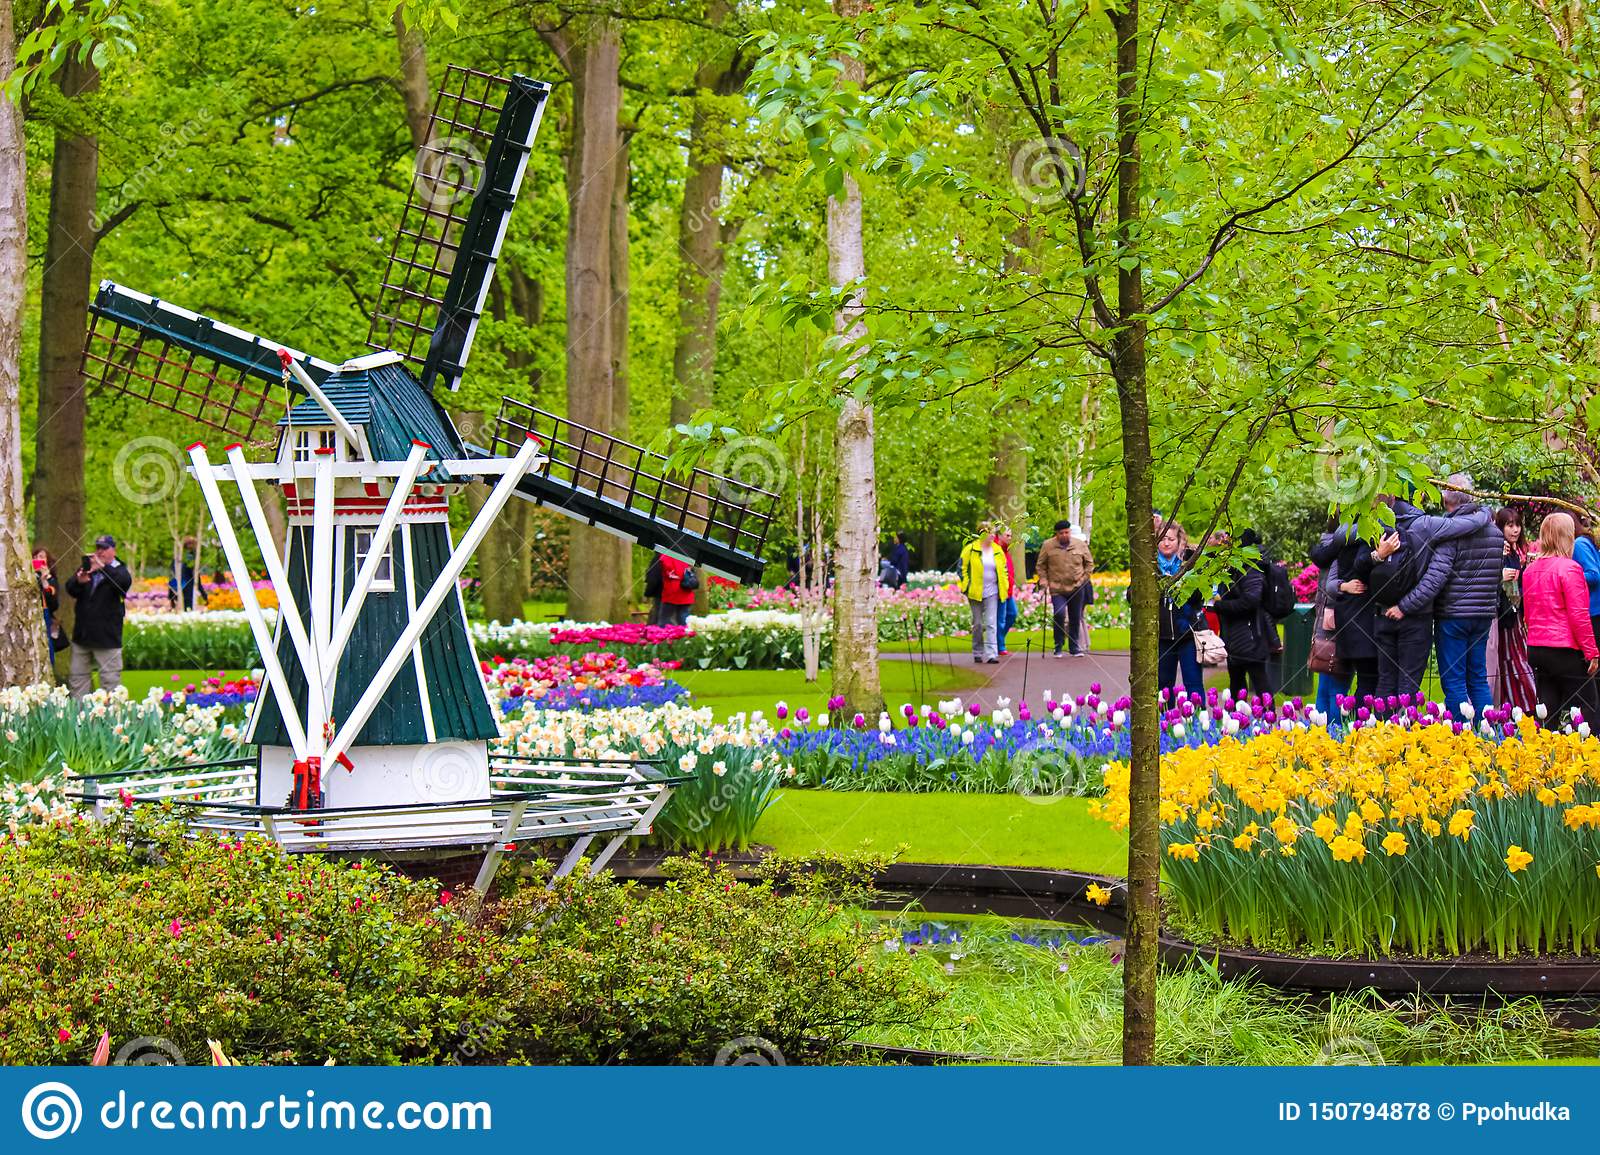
(131, 928)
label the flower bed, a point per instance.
(1398, 837)
(206, 640)
(220, 690)
(589, 681)
(732, 771)
(736, 640)
(627, 634)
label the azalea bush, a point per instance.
(1423, 839)
(135, 930)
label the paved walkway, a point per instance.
(1025, 676)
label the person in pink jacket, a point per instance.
(1561, 642)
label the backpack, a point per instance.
(1278, 597)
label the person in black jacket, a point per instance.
(1402, 598)
(1355, 615)
(1178, 621)
(1247, 631)
(100, 588)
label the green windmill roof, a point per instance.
(393, 407)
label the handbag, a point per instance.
(1209, 649)
(690, 581)
(1324, 657)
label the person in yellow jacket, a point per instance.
(985, 582)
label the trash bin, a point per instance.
(1293, 675)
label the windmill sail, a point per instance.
(201, 369)
(711, 520)
(449, 237)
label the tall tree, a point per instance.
(855, 598)
(22, 649)
(589, 49)
(58, 474)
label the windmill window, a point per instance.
(383, 576)
(308, 441)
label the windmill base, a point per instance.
(390, 776)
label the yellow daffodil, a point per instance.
(1244, 841)
(1182, 850)
(1346, 849)
(1370, 810)
(1097, 894)
(1324, 827)
(1517, 859)
(1461, 824)
(1285, 831)
(1394, 843)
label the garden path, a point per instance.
(1025, 673)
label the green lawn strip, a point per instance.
(1103, 640)
(139, 682)
(730, 692)
(544, 611)
(995, 829)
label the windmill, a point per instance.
(375, 719)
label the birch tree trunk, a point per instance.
(59, 440)
(855, 595)
(22, 648)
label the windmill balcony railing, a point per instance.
(721, 510)
(530, 800)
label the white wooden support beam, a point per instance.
(321, 572)
(288, 607)
(346, 430)
(491, 860)
(572, 857)
(458, 467)
(247, 599)
(381, 539)
(443, 586)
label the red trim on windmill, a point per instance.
(285, 358)
(196, 445)
(231, 448)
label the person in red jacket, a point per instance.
(1561, 642)
(675, 600)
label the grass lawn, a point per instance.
(730, 692)
(139, 682)
(1106, 639)
(998, 829)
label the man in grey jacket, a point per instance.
(1465, 603)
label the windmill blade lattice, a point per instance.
(208, 372)
(449, 236)
(703, 517)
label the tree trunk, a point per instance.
(700, 249)
(22, 649)
(1144, 767)
(593, 580)
(625, 590)
(855, 595)
(59, 441)
(1008, 487)
(928, 551)
(415, 90)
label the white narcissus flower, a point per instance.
(719, 768)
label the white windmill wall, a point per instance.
(396, 776)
